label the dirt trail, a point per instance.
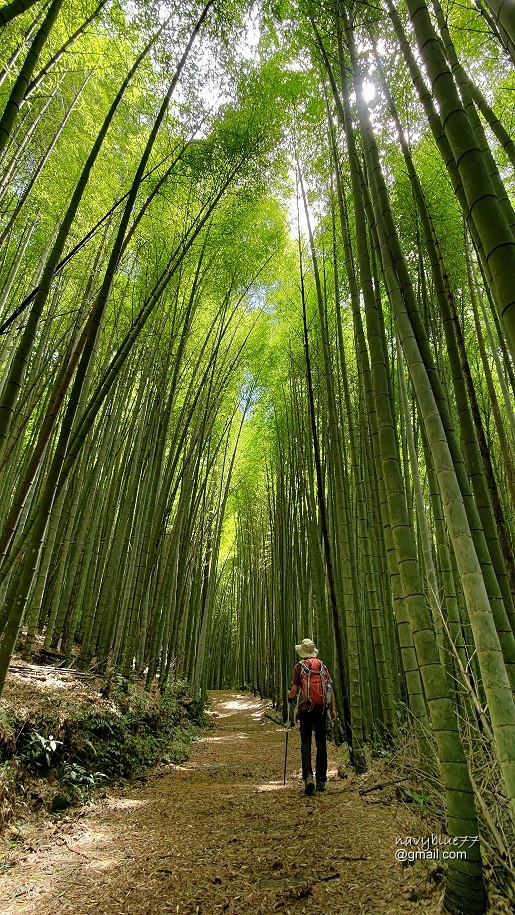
(222, 834)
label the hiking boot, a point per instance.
(310, 785)
(320, 786)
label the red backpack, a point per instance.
(315, 682)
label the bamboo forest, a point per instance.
(257, 347)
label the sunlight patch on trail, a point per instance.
(124, 803)
(239, 704)
(272, 786)
(94, 846)
(221, 739)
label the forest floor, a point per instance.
(222, 834)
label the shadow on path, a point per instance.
(222, 834)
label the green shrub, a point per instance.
(138, 731)
(146, 729)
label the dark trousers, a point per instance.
(313, 720)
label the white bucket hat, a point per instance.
(306, 649)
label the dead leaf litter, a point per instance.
(221, 834)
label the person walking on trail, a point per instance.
(312, 679)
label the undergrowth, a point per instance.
(92, 746)
(401, 774)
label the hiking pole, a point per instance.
(287, 735)
(286, 749)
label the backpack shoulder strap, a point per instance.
(306, 670)
(325, 679)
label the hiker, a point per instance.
(311, 677)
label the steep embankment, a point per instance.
(222, 834)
